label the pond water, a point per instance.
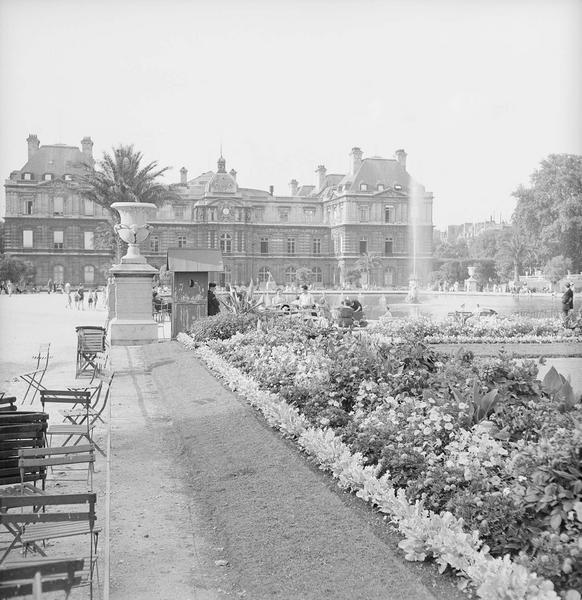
(438, 304)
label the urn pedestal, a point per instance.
(133, 323)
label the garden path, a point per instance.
(208, 502)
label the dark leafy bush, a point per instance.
(222, 326)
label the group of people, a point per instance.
(77, 298)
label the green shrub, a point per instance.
(222, 326)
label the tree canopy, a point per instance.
(120, 177)
(549, 213)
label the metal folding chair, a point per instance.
(90, 349)
(34, 378)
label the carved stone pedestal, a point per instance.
(133, 323)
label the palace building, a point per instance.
(375, 209)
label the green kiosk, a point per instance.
(192, 270)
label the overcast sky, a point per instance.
(478, 92)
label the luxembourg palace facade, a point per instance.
(325, 227)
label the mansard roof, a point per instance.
(375, 171)
(58, 159)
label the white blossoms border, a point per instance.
(426, 534)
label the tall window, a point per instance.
(89, 240)
(240, 241)
(259, 213)
(284, 215)
(309, 214)
(363, 246)
(290, 275)
(181, 241)
(88, 206)
(388, 247)
(317, 275)
(27, 238)
(388, 214)
(212, 214)
(212, 239)
(227, 274)
(89, 273)
(225, 243)
(316, 245)
(28, 207)
(179, 212)
(364, 214)
(264, 274)
(155, 243)
(58, 205)
(58, 237)
(264, 245)
(58, 273)
(290, 245)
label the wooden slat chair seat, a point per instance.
(41, 576)
(27, 519)
(73, 398)
(7, 403)
(19, 430)
(91, 346)
(34, 378)
(78, 416)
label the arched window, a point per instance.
(317, 275)
(89, 274)
(264, 274)
(58, 273)
(225, 243)
(290, 274)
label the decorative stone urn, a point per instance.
(133, 322)
(471, 283)
(133, 228)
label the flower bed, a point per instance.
(476, 461)
(479, 330)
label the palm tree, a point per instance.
(119, 177)
(515, 250)
(367, 263)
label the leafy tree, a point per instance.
(557, 268)
(485, 272)
(513, 254)
(120, 177)
(454, 270)
(14, 269)
(453, 250)
(367, 263)
(304, 275)
(550, 211)
(486, 245)
(353, 276)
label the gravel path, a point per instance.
(258, 521)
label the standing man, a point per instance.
(213, 304)
(567, 301)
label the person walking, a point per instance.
(81, 294)
(567, 301)
(90, 299)
(69, 303)
(213, 303)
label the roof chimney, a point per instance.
(184, 176)
(321, 171)
(271, 189)
(232, 173)
(293, 187)
(401, 157)
(87, 146)
(33, 144)
(356, 155)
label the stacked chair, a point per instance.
(46, 482)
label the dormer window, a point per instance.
(68, 177)
(363, 187)
(397, 186)
(27, 176)
(48, 177)
(380, 187)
